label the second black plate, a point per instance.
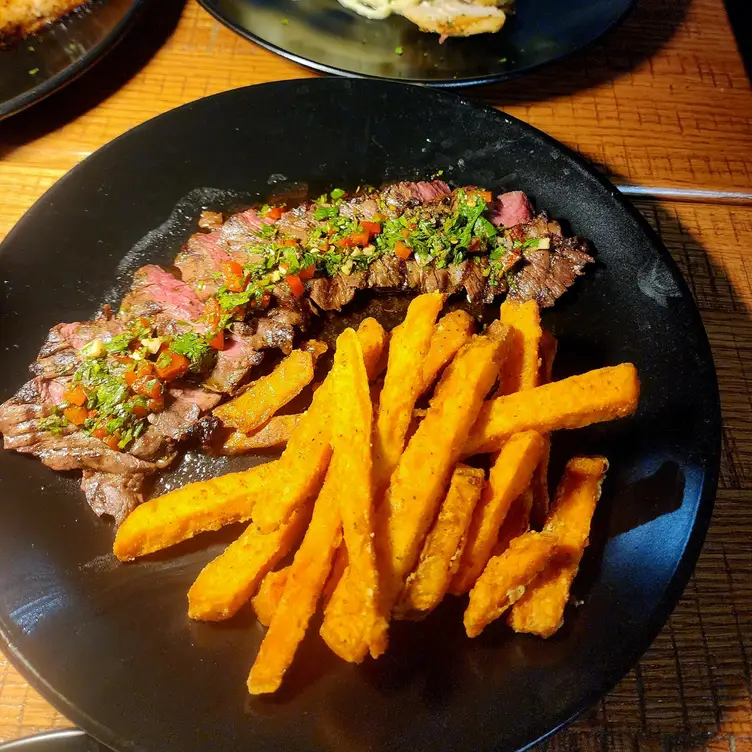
(323, 35)
(35, 67)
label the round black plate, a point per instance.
(324, 35)
(111, 645)
(69, 740)
(33, 68)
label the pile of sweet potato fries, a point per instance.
(372, 496)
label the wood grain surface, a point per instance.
(662, 102)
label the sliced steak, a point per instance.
(200, 261)
(233, 365)
(241, 230)
(113, 494)
(510, 209)
(331, 294)
(400, 196)
(158, 294)
(299, 221)
(386, 272)
(545, 275)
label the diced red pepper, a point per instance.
(231, 268)
(171, 365)
(275, 212)
(486, 196)
(123, 359)
(405, 232)
(402, 251)
(76, 415)
(112, 441)
(218, 341)
(148, 386)
(308, 272)
(296, 284)
(291, 242)
(140, 411)
(99, 432)
(372, 228)
(75, 396)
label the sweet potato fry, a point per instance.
(228, 581)
(422, 476)
(541, 609)
(269, 594)
(505, 578)
(361, 623)
(195, 508)
(268, 394)
(516, 522)
(274, 433)
(520, 368)
(374, 341)
(306, 456)
(593, 397)
(449, 334)
(408, 348)
(539, 484)
(509, 477)
(428, 582)
(305, 581)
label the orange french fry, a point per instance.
(269, 594)
(450, 333)
(357, 623)
(266, 395)
(509, 477)
(274, 433)
(192, 509)
(305, 580)
(403, 382)
(228, 581)
(428, 582)
(593, 397)
(539, 484)
(505, 578)
(520, 368)
(541, 609)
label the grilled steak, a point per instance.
(115, 396)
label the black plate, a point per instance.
(68, 740)
(111, 646)
(35, 67)
(324, 35)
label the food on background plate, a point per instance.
(117, 397)
(449, 18)
(377, 549)
(19, 18)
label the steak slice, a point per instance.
(156, 293)
(510, 209)
(113, 494)
(331, 294)
(200, 261)
(545, 275)
(233, 365)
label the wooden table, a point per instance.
(664, 107)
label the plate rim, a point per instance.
(71, 72)
(706, 498)
(440, 83)
(30, 742)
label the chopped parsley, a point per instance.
(194, 347)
